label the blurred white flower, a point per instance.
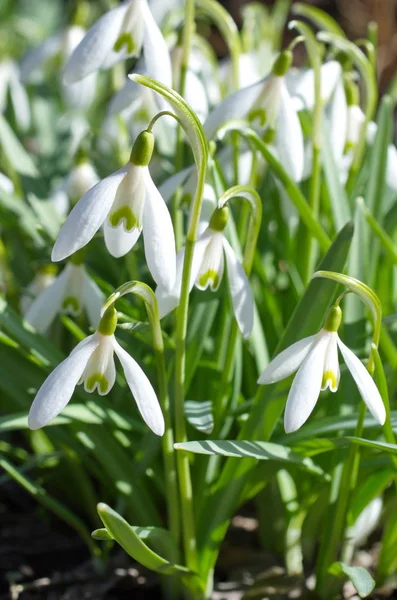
(92, 363)
(127, 202)
(123, 32)
(77, 96)
(211, 251)
(6, 185)
(10, 80)
(315, 359)
(269, 106)
(70, 293)
(41, 281)
(366, 522)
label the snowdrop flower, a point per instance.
(123, 32)
(315, 359)
(366, 522)
(211, 251)
(268, 105)
(70, 293)
(10, 81)
(42, 280)
(92, 363)
(81, 178)
(77, 96)
(127, 203)
(195, 93)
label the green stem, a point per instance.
(188, 29)
(339, 501)
(171, 479)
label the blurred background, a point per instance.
(353, 16)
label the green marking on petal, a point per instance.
(211, 277)
(125, 39)
(258, 114)
(124, 213)
(71, 304)
(329, 377)
(269, 135)
(97, 378)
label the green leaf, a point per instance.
(46, 214)
(245, 449)
(319, 17)
(360, 578)
(319, 446)
(132, 543)
(160, 540)
(199, 415)
(337, 194)
(378, 162)
(14, 151)
(372, 486)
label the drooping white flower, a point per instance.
(269, 107)
(127, 203)
(315, 359)
(366, 522)
(123, 32)
(194, 92)
(70, 293)
(41, 281)
(10, 82)
(92, 363)
(211, 251)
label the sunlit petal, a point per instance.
(240, 290)
(142, 391)
(366, 385)
(287, 362)
(306, 386)
(87, 216)
(59, 386)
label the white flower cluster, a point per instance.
(127, 202)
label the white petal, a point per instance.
(391, 167)
(168, 188)
(100, 372)
(289, 137)
(158, 236)
(124, 97)
(235, 106)
(87, 216)
(119, 241)
(355, 121)
(196, 96)
(287, 362)
(20, 101)
(212, 266)
(338, 121)
(33, 62)
(306, 386)
(93, 300)
(155, 50)
(331, 372)
(240, 289)
(142, 391)
(301, 84)
(168, 300)
(44, 308)
(59, 386)
(98, 42)
(81, 94)
(366, 385)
